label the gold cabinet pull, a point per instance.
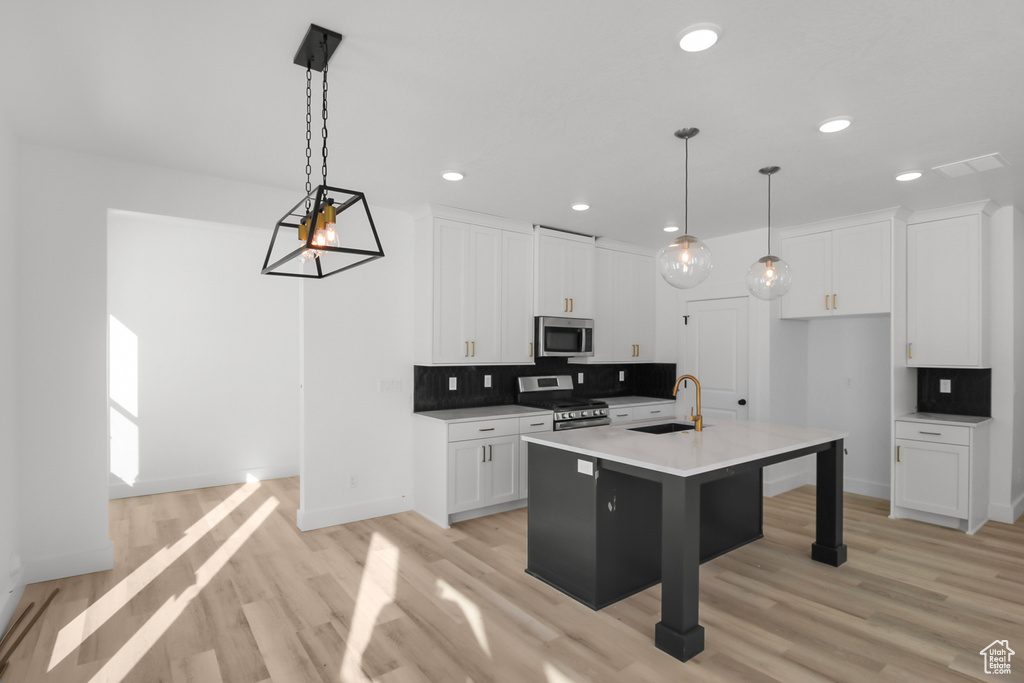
(834, 305)
(467, 350)
(474, 348)
(897, 454)
(531, 350)
(489, 429)
(565, 305)
(826, 302)
(910, 350)
(483, 454)
(490, 453)
(572, 304)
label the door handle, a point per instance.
(742, 401)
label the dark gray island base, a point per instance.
(600, 530)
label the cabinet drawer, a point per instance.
(620, 414)
(920, 431)
(540, 423)
(652, 411)
(483, 429)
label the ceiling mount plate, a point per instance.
(311, 51)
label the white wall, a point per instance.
(1006, 460)
(848, 388)
(11, 578)
(359, 331)
(62, 336)
(212, 394)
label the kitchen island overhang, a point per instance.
(599, 541)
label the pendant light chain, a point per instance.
(309, 133)
(769, 213)
(325, 113)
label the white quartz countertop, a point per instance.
(619, 401)
(722, 443)
(484, 413)
(941, 419)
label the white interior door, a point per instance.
(716, 353)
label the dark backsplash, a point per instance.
(430, 383)
(971, 391)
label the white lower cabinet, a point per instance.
(940, 474)
(482, 472)
(470, 468)
(620, 411)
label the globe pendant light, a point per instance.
(769, 277)
(687, 261)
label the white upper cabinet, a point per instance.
(565, 274)
(474, 290)
(839, 269)
(517, 298)
(946, 291)
(624, 304)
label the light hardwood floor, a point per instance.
(218, 584)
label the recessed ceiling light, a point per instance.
(580, 207)
(908, 175)
(671, 228)
(699, 37)
(835, 125)
(452, 176)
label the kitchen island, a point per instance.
(613, 510)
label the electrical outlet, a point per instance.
(945, 386)
(622, 375)
(453, 383)
(353, 481)
(487, 381)
(579, 378)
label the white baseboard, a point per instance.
(1007, 514)
(867, 488)
(199, 481)
(71, 564)
(9, 599)
(307, 520)
(774, 487)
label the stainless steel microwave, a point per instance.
(565, 336)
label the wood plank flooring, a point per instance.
(218, 585)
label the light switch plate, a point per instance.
(585, 467)
(945, 386)
(622, 375)
(453, 383)
(579, 378)
(487, 381)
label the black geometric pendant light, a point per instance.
(330, 229)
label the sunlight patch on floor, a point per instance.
(377, 589)
(469, 609)
(93, 617)
(118, 667)
(553, 675)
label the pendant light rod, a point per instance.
(686, 134)
(769, 171)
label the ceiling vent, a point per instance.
(975, 165)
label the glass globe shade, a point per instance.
(685, 263)
(769, 278)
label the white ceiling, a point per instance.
(543, 103)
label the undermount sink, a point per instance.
(664, 428)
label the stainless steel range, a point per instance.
(554, 392)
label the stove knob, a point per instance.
(600, 412)
(574, 415)
(585, 413)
